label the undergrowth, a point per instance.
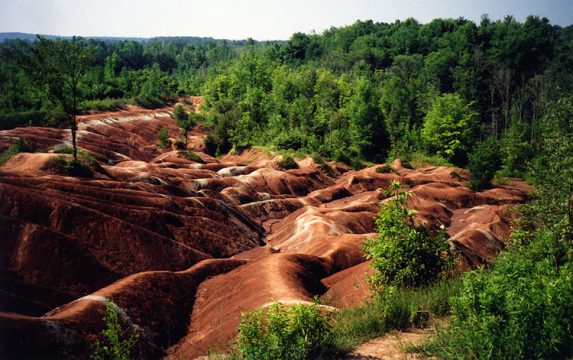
(17, 147)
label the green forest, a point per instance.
(365, 92)
(495, 97)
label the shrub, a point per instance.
(384, 169)
(484, 161)
(403, 253)
(163, 137)
(293, 140)
(521, 309)
(149, 102)
(118, 341)
(17, 147)
(281, 332)
(190, 155)
(287, 162)
(102, 105)
(324, 166)
(455, 175)
(71, 167)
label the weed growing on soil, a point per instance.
(118, 341)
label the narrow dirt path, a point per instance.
(391, 346)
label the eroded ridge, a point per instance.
(183, 247)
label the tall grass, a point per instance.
(520, 309)
(396, 308)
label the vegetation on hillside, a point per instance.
(496, 97)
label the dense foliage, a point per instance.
(522, 308)
(281, 332)
(404, 253)
(362, 92)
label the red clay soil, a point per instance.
(146, 230)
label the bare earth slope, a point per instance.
(182, 248)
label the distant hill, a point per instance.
(175, 39)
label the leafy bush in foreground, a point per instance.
(521, 309)
(281, 332)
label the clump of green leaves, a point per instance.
(520, 309)
(484, 161)
(190, 155)
(384, 169)
(449, 128)
(70, 167)
(118, 340)
(186, 121)
(324, 166)
(281, 332)
(163, 137)
(17, 147)
(287, 162)
(404, 253)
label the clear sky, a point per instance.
(240, 19)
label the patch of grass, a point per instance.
(63, 165)
(89, 157)
(455, 175)
(287, 162)
(102, 105)
(190, 155)
(149, 102)
(384, 169)
(396, 308)
(17, 147)
(323, 165)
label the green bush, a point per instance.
(190, 155)
(324, 166)
(521, 309)
(102, 105)
(484, 161)
(404, 253)
(384, 169)
(70, 167)
(281, 332)
(10, 120)
(163, 137)
(17, 147)
(149, 102)
(287, 162)
(293, 140)
(118, 341)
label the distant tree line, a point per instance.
(365, 92)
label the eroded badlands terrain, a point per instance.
(183, 247)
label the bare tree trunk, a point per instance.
(74, 128)
(493, 118)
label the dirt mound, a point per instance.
(130, 234)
